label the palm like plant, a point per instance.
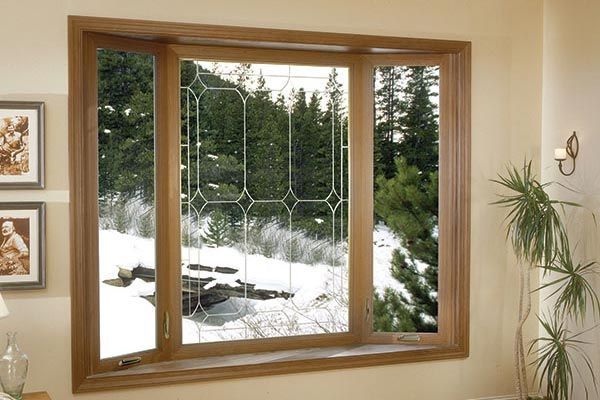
(555, 361)
(571, 286)
(539, 239)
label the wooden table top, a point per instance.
(36, 396)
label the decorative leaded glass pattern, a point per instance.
(264, 200)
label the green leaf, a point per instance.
(556, 356)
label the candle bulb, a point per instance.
(560, 154)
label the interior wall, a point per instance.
(507, 44)
(571, 100)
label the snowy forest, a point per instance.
(264, 197)
(406, 194)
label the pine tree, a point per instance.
(316, 139)
(408, 204)
(334, 94)
(420, 131)
(217, 232)
(243, 80)
(145, 224)
(212, 123)
(391, 312)
(335, 124)
(389, 109)
(312, 168)
(409, 208)
(267, 146)
(215, 125)
(125, 126)
(335, 119)
(300, 152)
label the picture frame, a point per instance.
(22, 245)
(22, 145)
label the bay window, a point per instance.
(251, 201)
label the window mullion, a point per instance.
(168, 213)
(361, 205)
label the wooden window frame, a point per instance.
(172, 362)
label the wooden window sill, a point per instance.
(268, 363)
(36, 396)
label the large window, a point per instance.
(270, 208)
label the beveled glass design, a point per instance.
(264, 200)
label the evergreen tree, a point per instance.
(299, 153)
(125, 126)
(389, 109)
(267, 146)
(334, 94)
(242, 73)
(407, 203)
(391, 312)
(120, 216)
(215, 162)
(420, 130)
(145, 224)
(218, 229)
(335, 120)
(221, 121)
(409, 206)
(213, 119)
(311, 165)
(317, 143)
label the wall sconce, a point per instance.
(571, 151)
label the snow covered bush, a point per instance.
(127, 215)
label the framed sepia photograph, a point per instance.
(22, 246)
(21, 145)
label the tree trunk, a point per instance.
(524, 310)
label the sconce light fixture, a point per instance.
(570, 151)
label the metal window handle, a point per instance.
(409, 337)
(129, 361)
(166, 329)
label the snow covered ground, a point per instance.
(319, 304)
(384, 243)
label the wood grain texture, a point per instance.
(80, 360)
(452, 231)
(169, 276)
(218, 35)
(447, 264)
(36, 396)
(361, 196)
(172, 362)
(266, 364)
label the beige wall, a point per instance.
(571, 101)
(506, 36)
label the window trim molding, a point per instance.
(170, 40)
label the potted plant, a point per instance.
(537, 233)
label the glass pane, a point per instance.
(126, 202)
(264, 200)
(405, 237)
